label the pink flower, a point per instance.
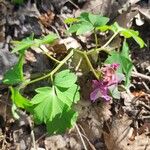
(101, 87)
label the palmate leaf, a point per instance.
(21, 46)
(86, 22)
(95, 20)
(46, 105)
(127, 33)
(52, 105)
(15, 74)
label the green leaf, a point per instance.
(104, 28)
(113, 89)
(68, 95)
(65, 79)
(125, 50)
(48, 108)
(62, 121)
(127, 33)
(84, 28)
(52, 105)
(29, 42)
(19, 100)
(66, 89)
(46, 105)
(125, 65)
(48, 39)
(21, 46)
(86, 22)
(17, 1)
(71, 20)
(74, 28)
(84, 16)
(98, 20)
(15, 74)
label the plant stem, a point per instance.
(52, 72)
(104, 46)
(52, 58)
(84, 54)
(107, 43)
(90, 65)
(96, 40)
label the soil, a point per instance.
(122, 124)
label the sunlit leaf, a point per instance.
(46, 104)
(87, 22)
(125, 50)
(65, 79)
(53, 105)
(15, 74)
(18, 99)
(71, 20)
(23, 45)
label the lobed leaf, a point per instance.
(15, 74)
(68, 95)
(18, 99)
(86, 22)
(127, 33)
(46, 105)
(29, 41)
(52, 105)
(65, 79)
(21, 46)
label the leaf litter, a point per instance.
(126, 120)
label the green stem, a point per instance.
(96, 40)
(90, 65)
(52, 58)
(104, 46)
(52, 72)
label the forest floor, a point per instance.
(122, 124)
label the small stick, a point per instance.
(144, 105)
(82, 140)
(32, 133)
(137, 74)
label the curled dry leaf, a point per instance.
(119, 132)
(122, 137)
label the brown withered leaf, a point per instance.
(119, 132)
(47, 18)
(122, 136)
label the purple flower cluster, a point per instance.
(101, 87)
